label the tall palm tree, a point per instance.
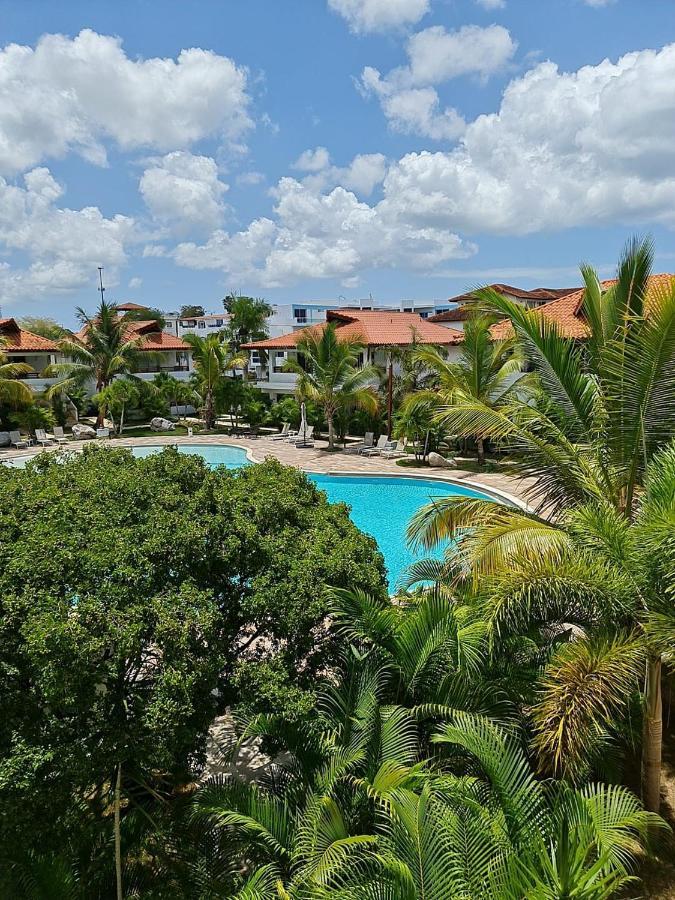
(486, 372)
(331, 377)
(607, 410)
(13, 391)
(212, 360)
(103, 350)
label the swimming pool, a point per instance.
(381, 506)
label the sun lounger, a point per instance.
(59, 435)
(284, 433)
(41, 437)
(398, 450)
(17, 441)
(303, 440)
(382, 444)
(366, 444)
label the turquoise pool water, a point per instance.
(380, 506)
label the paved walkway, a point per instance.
(317, 459)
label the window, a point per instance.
(300, 314)
(201, 324)
(187, 323)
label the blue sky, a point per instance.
(326, 148)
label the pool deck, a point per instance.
(317, 460)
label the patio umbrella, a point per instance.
(303, 422)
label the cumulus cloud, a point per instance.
(492, 4)
(135, 282)
(183, 191)
(74, 94)
(379, 15)
(564, 149)
(407, 94)
(63, 245)
(322, 235)
(362, 175)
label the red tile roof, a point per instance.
(17, 340)
(129, 306)
(153, 338)
(567, 313)
(540, 295)
(374, 328)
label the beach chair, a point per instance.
(17, 441)
(300, 440)
(366, 444)
(284, 433)
(398, 450)
(41, 437)
(383, 444)
(59, 435)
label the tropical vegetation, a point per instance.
(212, 360)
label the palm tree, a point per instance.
(330, 376)
(486, 372)
(212, 359)
(13, 391)
(607, 411)
(116, 397)
(103, 350)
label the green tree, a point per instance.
(247, 319)
(330, 377)
(607, 409)
(115, 398)
(13, 391)
(130, 589)
(44, 326)
(487, 372)
(191, 310)
(34, 415)
(103, 351)
(212, 359)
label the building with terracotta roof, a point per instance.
(567, 311)
(377, 331)
(461, 311)
(21, 346)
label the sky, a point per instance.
(327, 149)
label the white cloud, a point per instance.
(492, 4)
(379, 15)
(312, 160)
(135, 282)
(250, 178)
(183, 191)
(362, 175)
(598, 3)
(322, 235)
(564, 149)
(63, 246)
(407, 96)
(74, 94)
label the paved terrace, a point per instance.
(314, 459)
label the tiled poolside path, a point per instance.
(317, 459)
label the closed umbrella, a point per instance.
(303, 422)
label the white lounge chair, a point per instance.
(284, 433)
(59, 435)
(398, 450)
(42, 438)
(17, 441)
(303, 440)
(103, 433)
(383, 444)
(366, 444)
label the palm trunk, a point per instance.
(122, 420)
(331, 433)
(209, 418)
(118, 836)
(480, 446)
(652, 735)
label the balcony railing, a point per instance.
(149, 370)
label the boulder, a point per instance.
(440, 462)
(160, 424)
(80, 432)
(4, 438)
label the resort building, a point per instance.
(461, 305)
(161, 352)
(179, 326)
(21, 346)
(378, 330)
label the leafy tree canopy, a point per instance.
(191, 310)
(130, 589)
(44, 326)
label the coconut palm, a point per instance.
(13, 391)
(116, 397)
(103, 350)
(212, 360)
(330, 376)
(486, 372)
(607, 411)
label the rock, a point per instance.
(80, 432)
(4, 438)
(440, 462)
(160, 424)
